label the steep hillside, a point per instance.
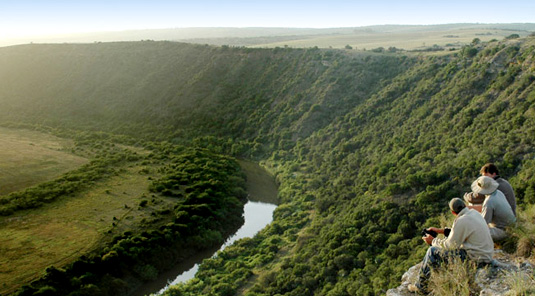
(399, 158)
(358, 191)
(368, 148)
(173, 89)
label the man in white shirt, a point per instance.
(469, 238)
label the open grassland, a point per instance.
(401, 36)
(408, 40)
(28, 158)
(58, 233)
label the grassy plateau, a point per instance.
(28, 158)
(59, 232)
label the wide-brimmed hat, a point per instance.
(484, 185)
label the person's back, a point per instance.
(469, 237)
(507, 190)
(497, 211)
(471, 233)
(491, 170)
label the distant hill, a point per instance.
(406, 37)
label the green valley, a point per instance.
(367, 149)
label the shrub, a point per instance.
(520, 283)
(469, 52)
(46, 290)
(513, 36)
(146, 272)
(223, 289)
(454, 278)
(522, 234)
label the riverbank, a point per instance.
(258, 212)
(208, 193)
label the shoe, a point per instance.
(414, 289)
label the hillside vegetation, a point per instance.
(171, 91)
(367, 147)
(110, 225)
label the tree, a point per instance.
(513, 36)
(469, 51)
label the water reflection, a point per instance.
(256, 214)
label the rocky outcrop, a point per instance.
(492, 280)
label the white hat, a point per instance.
(484, 185)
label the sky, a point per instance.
(29, 18)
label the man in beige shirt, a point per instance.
(469, 238)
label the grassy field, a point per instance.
(28, 158)
(409, 39)
(60, 232)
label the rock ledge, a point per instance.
(491, 280)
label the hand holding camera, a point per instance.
(430, 232)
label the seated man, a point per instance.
(496, 210)
(475, 201)
(490, 170)
(469, 237)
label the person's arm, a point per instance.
(428, 239)
(487, 212)
(456, 237)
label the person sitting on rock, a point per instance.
(469, 237)
(495, 210)
(475, 201)
(490, 170)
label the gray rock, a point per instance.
(409, 277)
(491, 279)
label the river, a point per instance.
(258, 212)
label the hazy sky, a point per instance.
(23, 18)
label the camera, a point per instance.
(430, 232)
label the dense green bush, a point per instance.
(202, 220)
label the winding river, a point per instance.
(258, 212)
